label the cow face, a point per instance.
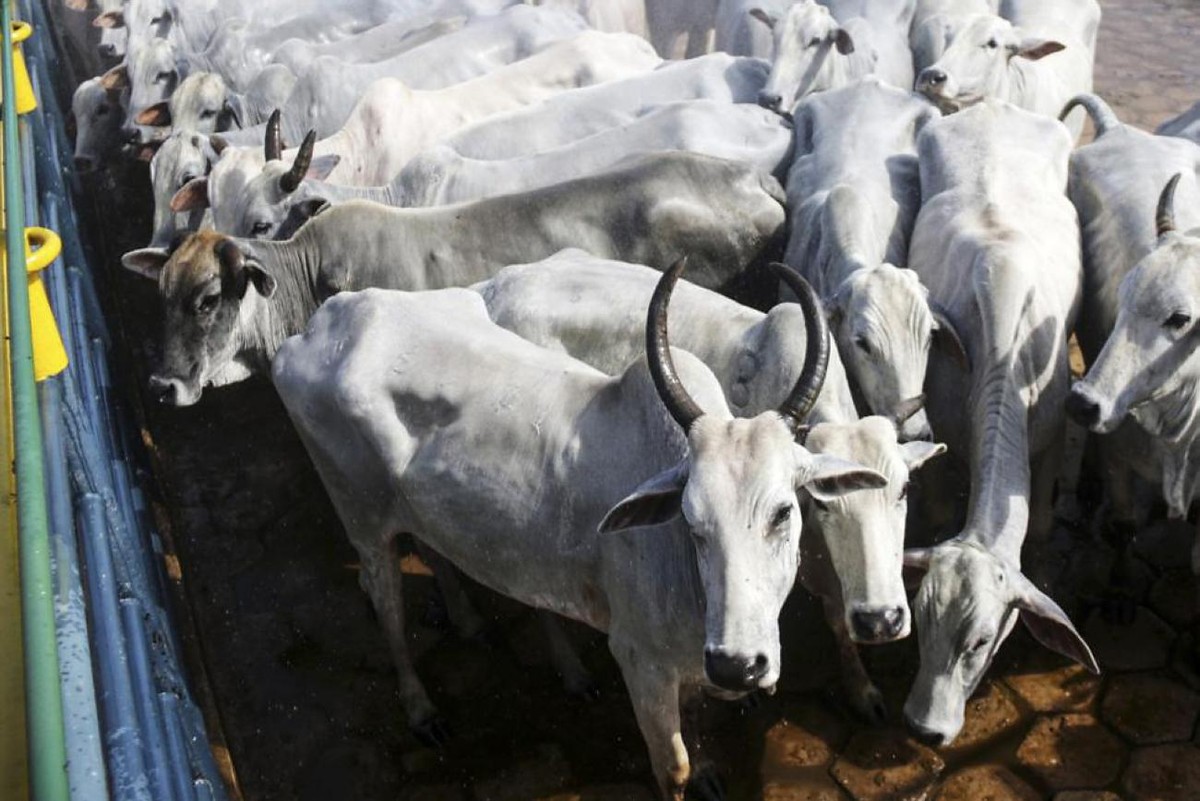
(864, 531)
(736, 490)
(278, 200)
(178, 175)
(97, 113)
(883, 326)
(807, 39)
(967, 605)
(153, 74)
(209, 286)
(1145, 366)
(202, 103)
(975, 64)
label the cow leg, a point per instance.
(463, 617)
(1043, 476)
(654, 693)
(864, 696)
(381, 579)
(575, 677)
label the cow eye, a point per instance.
(815, 42)
(186, 179)
(992, 44)
(782, 515)
(163, 76)
(978, 645)
(260, 228)
(1177, 321)
(208, 114)
(208, 303)
(862, 344)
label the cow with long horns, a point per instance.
(514, 462)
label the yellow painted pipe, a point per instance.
(42, 246)
(26, 99)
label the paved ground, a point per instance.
(307, 697)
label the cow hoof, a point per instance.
(869, 705)
(433, 732)
(705, 785)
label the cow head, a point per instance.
(178, 175)
(277, 201)
(97, 114)
(1145, 366)
(884, 325)
(152, 74)
(737, 491)
(202, 103)
(967, 605)
(975, 64)
(208, 284)
(114, 35)
(807, 41)
(864, 531)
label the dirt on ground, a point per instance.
(306, 695)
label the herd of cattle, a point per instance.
(461, 278)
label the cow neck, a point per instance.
(293, 264)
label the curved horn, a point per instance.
(658, 352)
(273, 144)
(292, 178)
(800, 400)
(1164, 217)
(905, 409)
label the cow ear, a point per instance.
(76, 5)
(218, 144)
(946, 337)
(828, 477)
(158, 114)
(916, 565)
(916, 454)
(311, 206)
(843, 42)
(116, 78)
(191, 196)
(1033, 48)
(1049, 624)
(321, 166)
(109, 19)
(656, 501)
(146, 151)
(264, 282)
(145, 261)
(764, 17)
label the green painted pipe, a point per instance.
(43, 707)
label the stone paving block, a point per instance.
(1072, 752)
(1145, 644)
(807, 736)
(985, 783)
(815, 787)
(990, 714)
(1173, 597)
(1150, 709)
(1164, 773)
(1066, 689)
(886, 766)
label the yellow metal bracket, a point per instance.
(42, 246)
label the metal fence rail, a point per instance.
(99, 639)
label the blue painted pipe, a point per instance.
(145, 696)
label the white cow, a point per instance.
(1149, 368)
(1038, 58)
(591, 309)
(740, 34)
(440, 176)
(889, 22)
(574, 115)
(853, 194)
(647, 211)
(375, 44)
(387, 390)
(1186, 125)
(997, 244)
(205, 104)
(935, 23)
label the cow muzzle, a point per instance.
(1087, 409)
(735, 672)
(173, 391)
(878, 624)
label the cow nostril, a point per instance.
(929, 737)
(163, 390)
(1082, 409)
(770, 100)
(131, 135)
(932, 77)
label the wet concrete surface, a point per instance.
(306, 695)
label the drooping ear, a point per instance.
(264, 282)
(916, 565)
(146, 151)
(1033, 48)
(1049, 624)
(843, 42)
(77, 5)
(218, 144)
(243, 268)
(946, 337)
(321, 166)
(311, 206)
(656, 501)
(109, 19)
(116, 78)
(158, 114)
(232, 114)
(918, 453)
(764, 17)
(191, 196)
(145, 261)
(828, 477)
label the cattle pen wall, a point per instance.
(108, 709)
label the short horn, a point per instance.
(907, 408)
(1164, 217)
(803, 396)
(292, 178)
(658, 352)
(273, 144)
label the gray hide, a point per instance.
(997, 244)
